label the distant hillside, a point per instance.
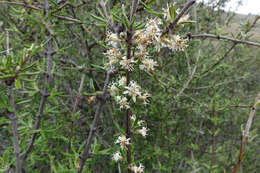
(235, 25)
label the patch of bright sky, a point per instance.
(242, 6)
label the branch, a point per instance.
(213, 148)
(44, 93)
(191, 77)
(172, 25)
(231, 48)
(110, 21)
(220, 60)
(217, 85)
(101, 101)
(13, 116)
(246, 133)
(75, 106)
(237, 41)
(20, 4)
(68, 19)
(134, 7)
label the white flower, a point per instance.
(113, 56)
(152, 29)
(184, 18)
(123, 141)
(179, 43)
(113, 89)
(122, 101)
(166, 12)
(112, 39)
(127, 63)
(148, 65)
(138, 169)
(140, 122)
(133, 117)
(143, 131)
(122, 81)
(133, 90)
(141, 52)
(144, 97)
(117, 156)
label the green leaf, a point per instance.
(187, 22)
(105, 151)
(98, 67)
(91, 83)
(172, 11)
(125, 18)
(98, 18)
(17, 84)
(6, 76)
(29, 67)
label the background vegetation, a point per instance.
(53, 71)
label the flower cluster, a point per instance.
(137, 169)
(117, 156)
(123, 93)
(142, 130)
(168, 17)
(127, 93)
(123, 141)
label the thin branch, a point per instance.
(229, 50)
(134, 7)
(246, 133)
(13, 116)
(75, 106)
(172, 25)
(93, 127)
(68, 19)
(7, 44)
(128, 77)
(219, 61)
(213, 132)
(191, 77)
(217, 85)
(110, 21)
(44, 93)
(223, 38)
(20, 4)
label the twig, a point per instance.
(93, 127)
(172, 25)
(134, 7)
(68, 19)
(20, 4)
(191, 77)
(44, 93)
(110, 21)
(246, 133)
(13, 116)
(213, 132)
(217, 85)
(128, 56)
(229, 50)
(75, 106)
(238, 41)
(219, 61)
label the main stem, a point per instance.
(128, 113)
(13, 117)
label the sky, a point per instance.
(247, 6)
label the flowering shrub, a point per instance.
(127, 93)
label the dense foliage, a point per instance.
(58, 111)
